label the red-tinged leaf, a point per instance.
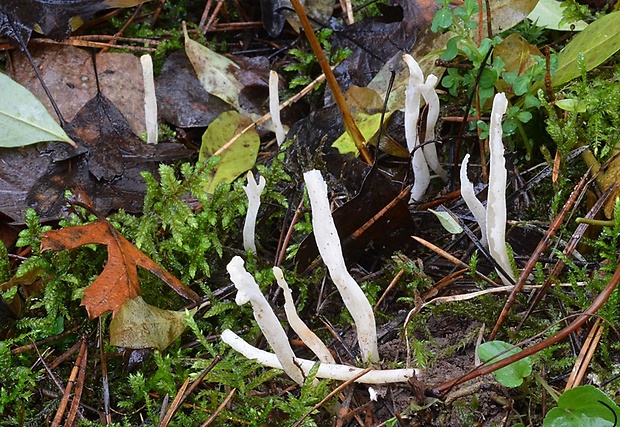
(118, 281)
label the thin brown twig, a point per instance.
(67, 391)
(126, 25)
(216, 11)
(330, 395)
(349, 124)
(185, 391)
(174, 406)
(79, 388)
(585, 355)
(220, 408)
(401, 196)
(104, 375)
(389, 288)
(87, 43)
(281, 253)
(454, 260)
(158, 8)
(568, 250)
(540, 249)
(600, 300)
(65, 356)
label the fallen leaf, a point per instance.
(55, 19)
(140, 325)
(609, 178)
(181, 99)
(118, 281)
(215, 72)
(69, 75)
(21, 169)
(517, 53)
(447, 221)
(548, 14)
(368, 125)
(272, 17)
(23, 119)
(508, 13)
(318, 11)
(239, 157)
(107, 164)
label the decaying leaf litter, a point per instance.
(373, 221)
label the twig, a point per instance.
(349, 123)
(559, 336)
(104, 376)
(185, 391)
(389, 288)
(281, 254)
(450, 257)
(220, 408)
(568, 250)
(67, 391)
(542, 246)
(587, 351)
(330, 395)
(77, 396)
(267, 116)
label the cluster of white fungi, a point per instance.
(492, 221)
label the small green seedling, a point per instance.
(511, 375)
(583, 406)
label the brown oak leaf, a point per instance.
(118, 281)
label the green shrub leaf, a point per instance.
(583, 406)
(511, 375)
(23, 119)
(596, 43)
(239, 157)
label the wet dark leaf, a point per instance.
(106, 165)
(390, 232)
(56, 19)
(69, 75)
(273, 19)
(181, 99)
(374, 41)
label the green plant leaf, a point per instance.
(599, 41)
(23, 119)
(583, 406)
(368, 124)
(448, 222)
(239, 157)
(140, 325)
(511, 375)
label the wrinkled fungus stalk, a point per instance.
(253, 191)
(331, 371)
(475, 206)
(430, 149)
(309, 338)
(150, 101)
(421, 174)
(329, 246)
(274, 107)
(248, 291)
(496, 200)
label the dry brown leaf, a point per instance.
(118, 281)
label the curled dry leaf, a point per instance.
(118, 281)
